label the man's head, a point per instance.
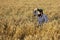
(39, 11)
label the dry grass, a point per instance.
(18, 23)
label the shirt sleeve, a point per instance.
(46, 18)
(34, 13)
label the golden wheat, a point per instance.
(18, 23)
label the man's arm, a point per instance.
(35, 11)
(46, 18)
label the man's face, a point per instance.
(39, 13)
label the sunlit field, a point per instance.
(17, 21)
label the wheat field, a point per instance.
(18, 23)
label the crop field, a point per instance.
(17, 21)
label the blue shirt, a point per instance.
(42, 18)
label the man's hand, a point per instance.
(34, 15)
(35, 9)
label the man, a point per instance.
(42, 18)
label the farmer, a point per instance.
(42, 18)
